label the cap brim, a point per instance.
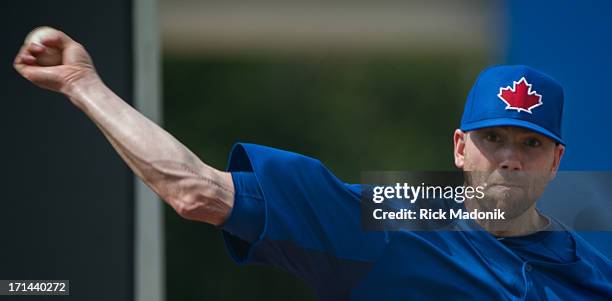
(510, 122)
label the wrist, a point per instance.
(77, 87)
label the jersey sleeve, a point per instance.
(309, 219)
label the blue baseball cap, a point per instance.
(515, 96)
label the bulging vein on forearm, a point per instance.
(161, 161)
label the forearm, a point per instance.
(194, 189)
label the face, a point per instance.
(513, 164)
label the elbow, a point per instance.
(202, 206)
(198, 194)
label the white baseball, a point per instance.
(51, 56)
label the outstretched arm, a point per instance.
(195, 190)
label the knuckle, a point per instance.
(79, 45)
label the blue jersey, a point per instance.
(292, 213)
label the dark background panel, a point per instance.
(66, 209)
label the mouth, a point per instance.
(504, 185)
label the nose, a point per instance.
(510, 158)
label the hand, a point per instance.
(52, 60)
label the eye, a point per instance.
(492, 137)
(532, 142)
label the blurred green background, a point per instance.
(354, 113)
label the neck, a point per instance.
(529, 222)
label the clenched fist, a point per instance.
(52, 60)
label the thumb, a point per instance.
(44, 77)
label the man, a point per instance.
(287, 210)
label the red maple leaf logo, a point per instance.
(520, 97)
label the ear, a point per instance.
(459, 149)
(559, 151)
